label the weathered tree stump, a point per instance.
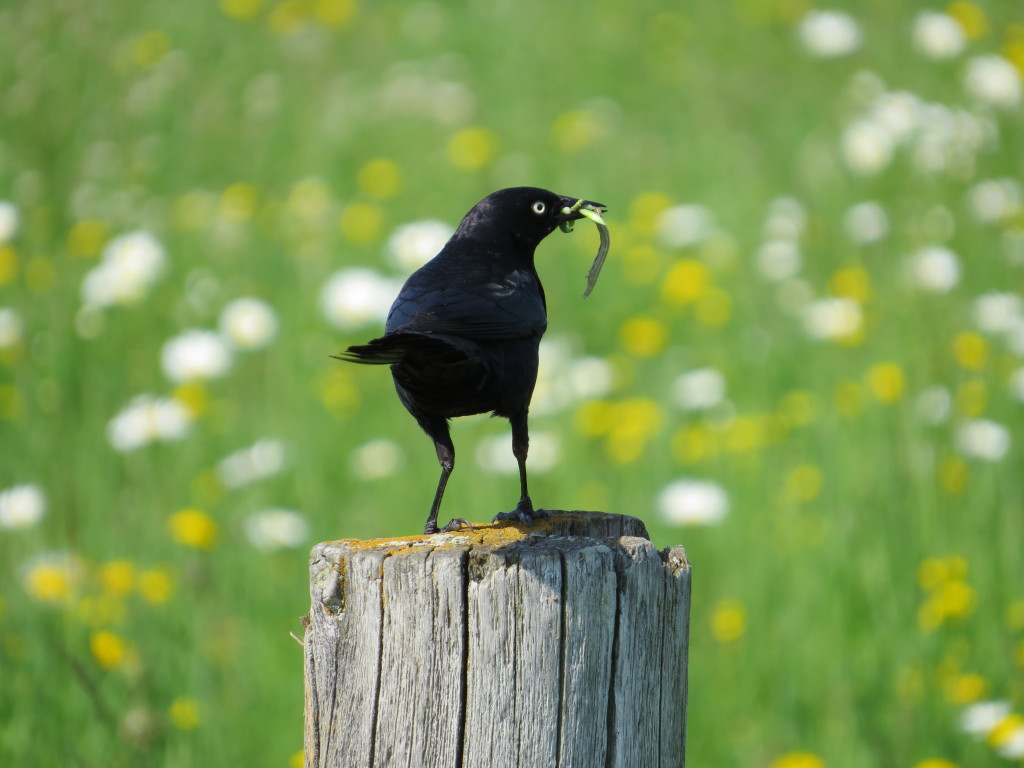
(564, 644)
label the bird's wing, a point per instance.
(488, 311)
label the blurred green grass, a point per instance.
(852, 520)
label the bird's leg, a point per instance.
(524, 511)
(446, 458)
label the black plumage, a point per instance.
(462, 337)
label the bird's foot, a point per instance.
(455, 525)
(523, 513)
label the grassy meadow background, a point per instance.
(824, 223)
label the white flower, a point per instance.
(1012, 745)
(248, 323)
(684, 225)
(993, 79)
(147, 419)
(377, 459)
(195, 356)
(828, 34)
(9, 220)
(866, 223)
(998, 312)
(937, 35)
(786, 219)
(262, 459)
(22, 506)
(273, 529)
(983, 440)
(897, 113)
(778, 260)
(994, 200)
(413, 245)
(1016, 384)
(494, 453)
(11, 328)
(934, 269)
(832, 318)
(130, 265)
(934, 405)
(699, 389)
(563, 381)
(980, 719)
(693, 502)
(356, 297)
(867, 148)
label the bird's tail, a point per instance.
(396, 347)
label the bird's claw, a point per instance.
(455, 525)
(524, 513)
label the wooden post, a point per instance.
(563, 644)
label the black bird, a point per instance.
(462, 336)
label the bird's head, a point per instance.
(527, 214)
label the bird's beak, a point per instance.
(574, 210)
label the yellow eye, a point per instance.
(539, 207)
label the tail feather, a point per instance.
(397, 347)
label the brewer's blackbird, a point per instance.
(462, 336)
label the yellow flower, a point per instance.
(745, 434)
(155, 586)
(693, 443)
(686, 281)
(713, 308)
(972, 398)
(297, 760)
(594, 417)
(107, 648)
(117, 577)
(634, 422)
(361, 222)
(1015, 615)
(241, 9)
(849, 399)
(886, 382)
(11, 401)
(53, 580)
(971, 17)
(965, 689)
(851, 283)
(643, 336)
(193, 528)
(1006, 728)
(338, 392)
(184, 713)
(380, 178)
(956, 599)
(8, 265)
(728, 621)
(39, 274)
(101, 610)
(149, 48)
(334, 13)
(798, 760)
(804, 483)
(193, 396)
(953, 476)
(970, 350)
(645, 210)
(288, 17)
(935, 762)
(472, 148)
(87, 237)
(576, 130)
(798, 407)
(238, 202)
